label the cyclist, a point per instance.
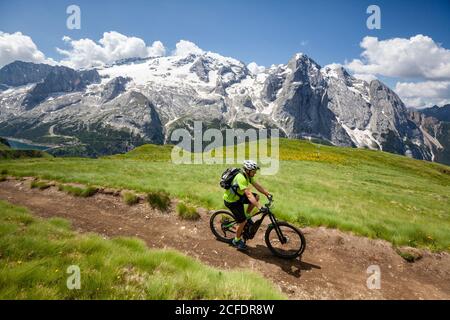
(240, 194)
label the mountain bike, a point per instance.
(283, 239)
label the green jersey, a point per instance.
(239, 184)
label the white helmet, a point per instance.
(250, 165)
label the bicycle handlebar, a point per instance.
(269, 204)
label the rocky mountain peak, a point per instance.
(149, 98)
(336, 71)
(201, 68)
(60, 79)
(19, 73)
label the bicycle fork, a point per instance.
(280, 235)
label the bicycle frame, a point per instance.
(272, 218)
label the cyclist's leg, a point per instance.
(250, 205)
(233, 210)
(237, 208)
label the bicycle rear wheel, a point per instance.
(223, 225)
(295, 241)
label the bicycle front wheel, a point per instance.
(223, 225)
(293, 244)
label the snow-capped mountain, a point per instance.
(117, 107)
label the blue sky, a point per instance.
(266, 32)
(262, 31)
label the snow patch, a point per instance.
(361, 138)
(268, 109)
(331, 70)
(255, 69)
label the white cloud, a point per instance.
(333, 66)
(417, 57)
(184, 47)
(16, 46)
(85, 53)
(254, 68)
(365, 77)
(424, 94)
(157, 49)
(334, 69)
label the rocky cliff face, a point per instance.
(113, 88)
(436, 132)
(299, 106)
(21, 73)
(394, 132)
(330, 104)
(60, 79)
(143, 100)
(439, 113)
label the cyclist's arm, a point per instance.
(260, 189)
(251, 198)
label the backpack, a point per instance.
(227, 177)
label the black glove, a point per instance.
(270, 197)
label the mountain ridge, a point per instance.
(301, 98)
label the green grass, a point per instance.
(77, 191)
(36, 253)
(41, 185)
(130, 198)
(159, 200)
(7, 153)
(408, 256)
(148, 152)
(187, 212)
(371, 193)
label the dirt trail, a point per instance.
(334, 265)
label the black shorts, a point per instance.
(237, 208)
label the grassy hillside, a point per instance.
(8, 153)
(36, 253)
(371, 193)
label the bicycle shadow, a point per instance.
(292, 267)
